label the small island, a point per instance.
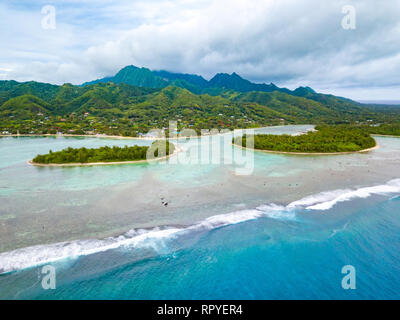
(325, 140)
(106, 155)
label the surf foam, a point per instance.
(43, 254)
(327, 200)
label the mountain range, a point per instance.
(144, 77)
(138, 99)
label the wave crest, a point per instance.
(326, 200)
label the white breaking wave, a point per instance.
(43, 254)
(318, 198)
(326, 200)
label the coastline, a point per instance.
(101, 136)
(90, 164)
(147, 138)
(385, 135)
(309, 153)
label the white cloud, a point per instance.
(287, 42)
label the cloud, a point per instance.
(288, 42)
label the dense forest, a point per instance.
(326, 140)
(158, 149)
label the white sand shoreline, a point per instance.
(385, 135)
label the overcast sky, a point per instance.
(288, 42)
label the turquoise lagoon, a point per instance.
(283, 232)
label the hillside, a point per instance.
(24, 107)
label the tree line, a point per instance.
(107, 154)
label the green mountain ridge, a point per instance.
(219, 85)
(144, 77)
(121, 108)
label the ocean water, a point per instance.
(241, 249)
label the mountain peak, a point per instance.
(301, 91)
(225, 78)
(227, 75)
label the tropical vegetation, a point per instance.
(159, 148)
(326, 139)
(390, 129)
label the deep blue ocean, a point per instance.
(290, 254)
